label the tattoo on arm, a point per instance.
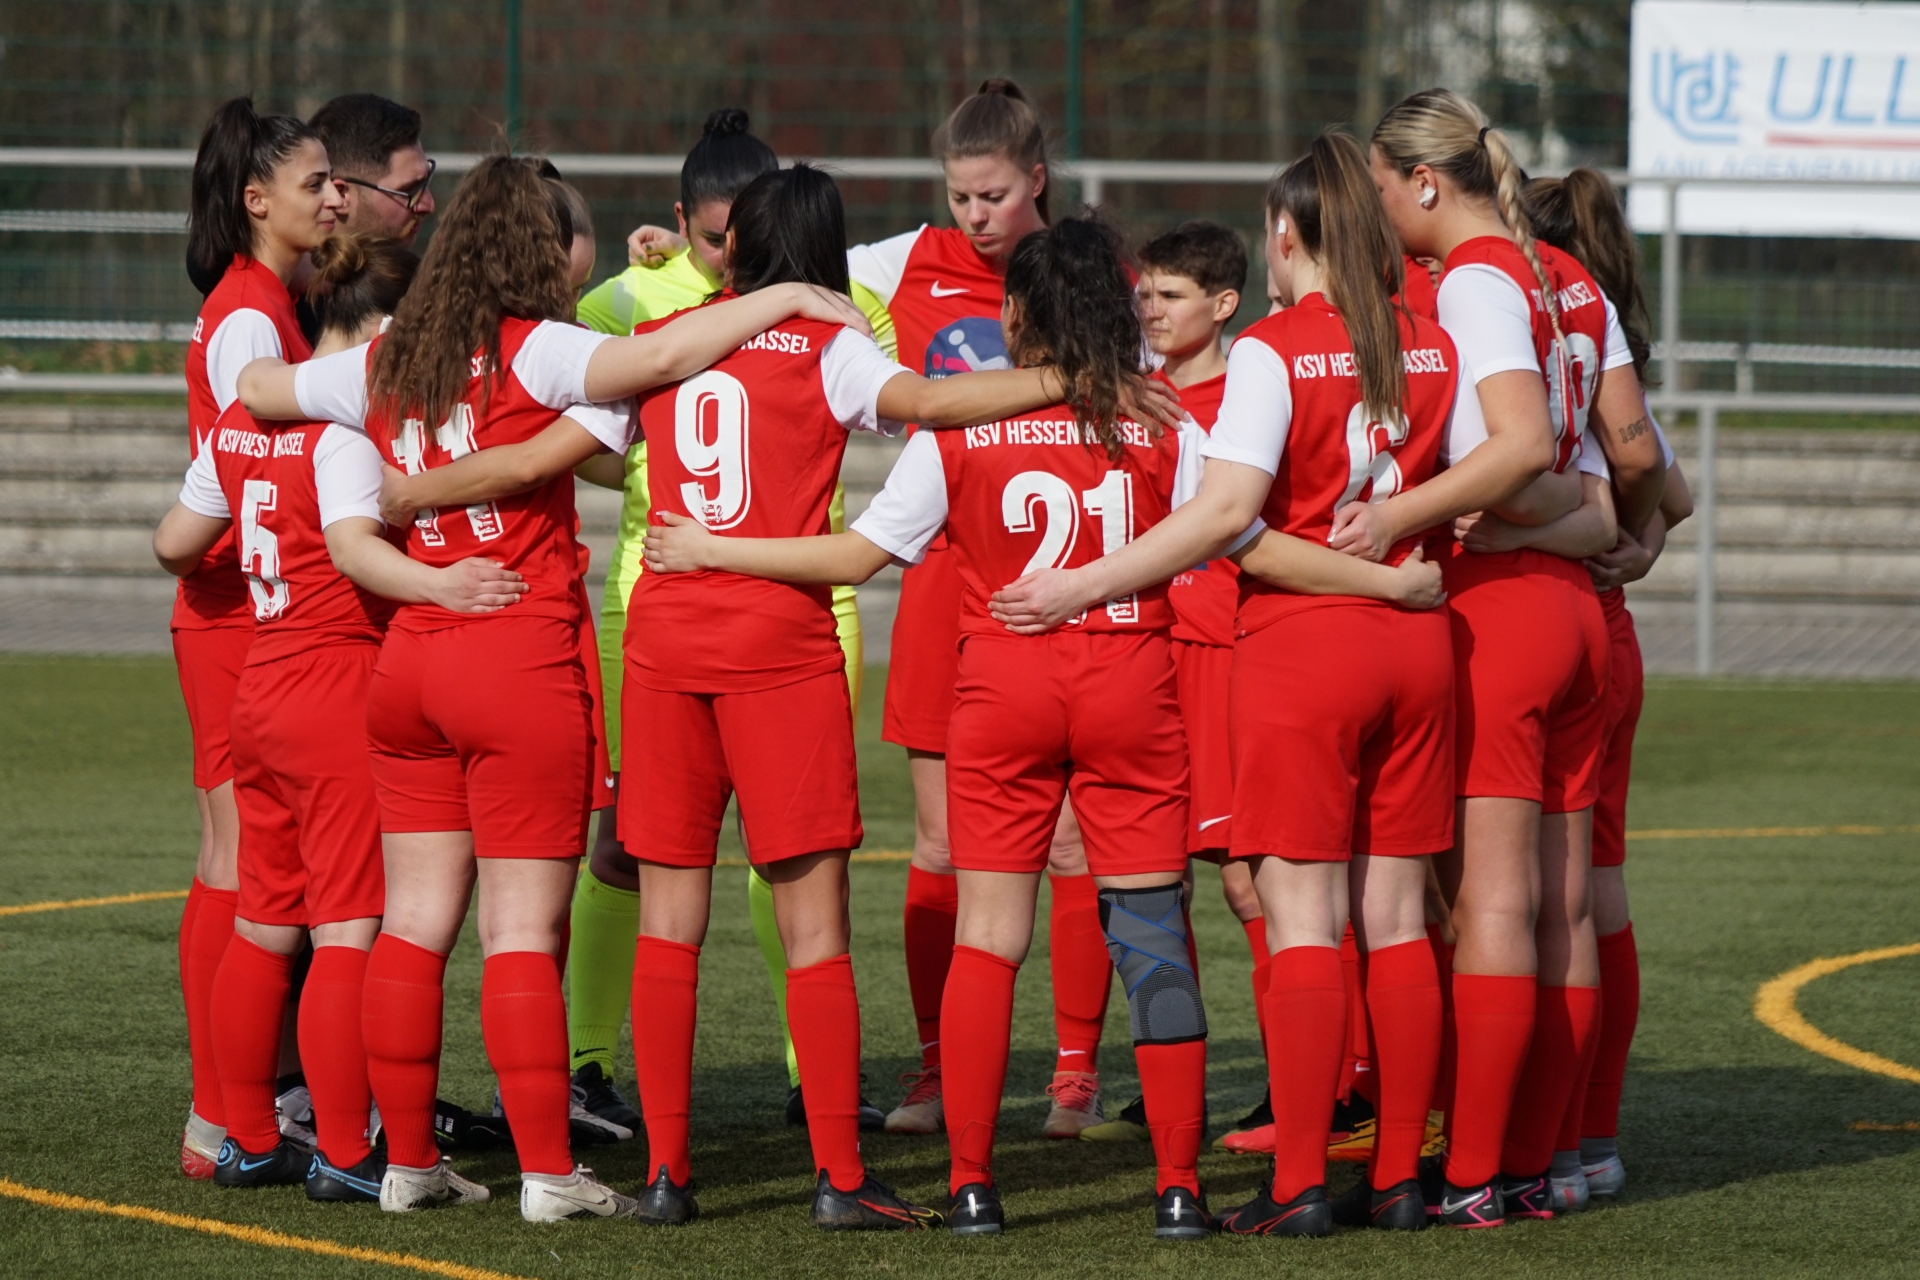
(1634, 430)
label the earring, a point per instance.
(1427, 196)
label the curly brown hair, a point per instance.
(499, 250)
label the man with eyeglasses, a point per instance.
(378, 163)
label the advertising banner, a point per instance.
(1827, 92)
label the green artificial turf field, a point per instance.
(1742, 1148)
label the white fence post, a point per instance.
(1704, 586)
(1670, 289)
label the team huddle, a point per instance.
(1337, 608)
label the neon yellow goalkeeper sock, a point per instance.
(606, 921)
(767, 934)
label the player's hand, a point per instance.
(1038, 602)
(676, 543)
(1629, 561)
(1420, 582)
(1362, 529)
(396, 508)
(811, 302)
(1149, 400)
(649, 246)
(1485, 532)
(475, 585)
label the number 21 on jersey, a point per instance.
(1110, 502)
(455, 435)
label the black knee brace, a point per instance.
(1147, 938)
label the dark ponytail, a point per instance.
(1074, 306)
(237, 148)
(724, 161)
(356, 278)
(788, 225)
(997, 121)
(1580, 215)
(1330, 203)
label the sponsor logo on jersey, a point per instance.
(966, 345)
(1045, 431)
(791, 344)
(938, 292)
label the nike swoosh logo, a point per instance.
(1454, 1206)
(1214, 822)
(249, 1166)
(938, 292)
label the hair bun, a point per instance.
(727, 120)
(340, 256)
(1005, 88)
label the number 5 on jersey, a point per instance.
(1110, 502)
(260, 551)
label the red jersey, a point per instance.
(1027, 493)
(751, 448)
(531, 533)
(1205, 597)
(281, 488)
(215, 595)
(1572, 372)
(1334, 452)
(1420, 295)
(946, 307)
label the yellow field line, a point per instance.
(1775, 1004)
(28, 908)
(247, 1235)
(1757, 833)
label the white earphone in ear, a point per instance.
(1427, 196)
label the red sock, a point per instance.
(1173, 1080)
(1307, 1008)
(212, 931)
(249, 1000)
(977, 1019)
(1082, 971)
(666, 984)
(1565, 1019)
(400, 1012)
(1443, 1079)
(1256, 931)
(823, 1016)
(1619, 1014)
(1356, 1008)
(524, 1022)
(1568, 1139)
(187, 913)
(1403, 998)
(933, 902)
(1493, 1016)
(333, 1054)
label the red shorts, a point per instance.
(1094, 716)
(309, 822)
(787, 752)
(1626, 690)
(590, 663)
(209, 660)
(1202, 673)
(1343, 734)
(922, 666)
(482, 727)
(1530, 676)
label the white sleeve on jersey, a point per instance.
(1666, 449)
(1488, 318)
(552, 365)
(201, 494)
(243, 337)
(1256, 409)
(334, 388)
(880, 265)
(1466, 422)
(905, 515)
(1618, 353)
(1591, 460)
(1186, 471)
(346, 474)
(853, 368)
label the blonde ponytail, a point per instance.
(1449, 134)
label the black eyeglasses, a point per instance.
(409, 195)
